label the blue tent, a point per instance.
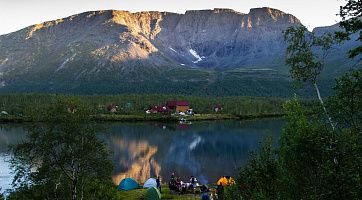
(127, 184)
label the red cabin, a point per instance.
(180, 106)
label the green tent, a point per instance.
(153, 194)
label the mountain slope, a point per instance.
(216, 52)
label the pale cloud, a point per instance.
(17, 14)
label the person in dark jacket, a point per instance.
(158, 181)
(173, 176)
(172, 182)
(193, 181)
(178, 184)
(204, 188)
(220, 191)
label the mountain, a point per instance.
(203, 52)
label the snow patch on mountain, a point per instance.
(194, 53)
(66, 61)
(4, 61)
(173, 50)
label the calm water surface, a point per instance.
(207, 150)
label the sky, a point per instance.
(18, 14)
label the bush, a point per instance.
(259, 178)
(313, 161)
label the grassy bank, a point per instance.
(132, 107)
(140, 193)
(165, 118)
(153, 117)
(198, 117)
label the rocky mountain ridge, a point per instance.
(96, 50)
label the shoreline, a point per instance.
(154, 117)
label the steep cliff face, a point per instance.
(225, 38)
(104, 49)
(212, 38)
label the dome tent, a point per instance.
(127, 184)
(153, 194)
(226, 180)
(151, 182)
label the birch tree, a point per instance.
(306, 54)
(63, 154)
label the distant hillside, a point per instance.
(202, 52)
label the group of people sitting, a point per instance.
(177, 185)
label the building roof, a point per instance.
(110, 107)
(157, 108)
(177, 103)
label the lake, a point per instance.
(206, 150)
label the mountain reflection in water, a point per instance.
(134, 160)
(207, 150)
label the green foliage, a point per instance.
(139, 194)
(305, 63)
(233, 192)
(316, 162)
(64, 151)
(351, 22)
(312, 161)
(99, 189)
(182, 81)
(94, 190)
(346, 104)
(305, 155)
(259, 178)
(305, 55)
(35, 192)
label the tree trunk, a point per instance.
(56, 187)
(74, 181)
(322, 103)
(74, 189)
(81, 198)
